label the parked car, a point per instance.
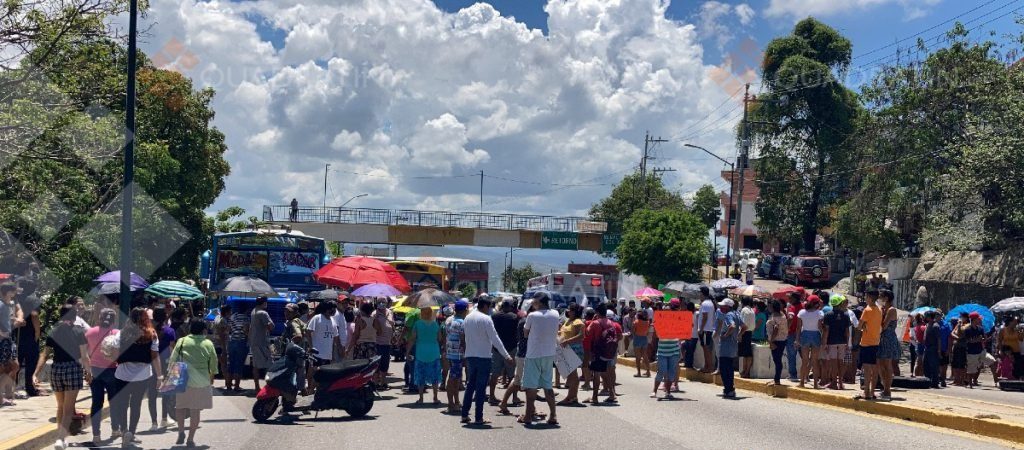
(807, 270)
(773, 266)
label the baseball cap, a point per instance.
(727, 302)
(461, 305)
(836, 300)
(975, 315)
(674, 302)
(291, 307)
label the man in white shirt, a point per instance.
(541, 345)
(706, 334)
(480, 335)
(322, 333)
(746, 348)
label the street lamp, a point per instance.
(732, 183)
(127, 194)
(508, 255)
(353, 198)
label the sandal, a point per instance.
(553, 422)
(465, 419)
(504, 412)
(522, 420)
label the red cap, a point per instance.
(975, 315)
(813, 299)
(674, 302)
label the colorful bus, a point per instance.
(285, 259)
(421, 275)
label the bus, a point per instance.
(586, 289)
(285, 259)
(421, 275)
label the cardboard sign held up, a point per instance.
(673, 324)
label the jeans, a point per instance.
(28, 357)
(128, 403)
(479, 373)
(913, 358)
(780, 346)
(931, 366)
(727, 370)
(152, 395)
(103, 383)
(791, 354)
(691, 347)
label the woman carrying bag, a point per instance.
(200, 360)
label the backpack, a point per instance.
(607, 345)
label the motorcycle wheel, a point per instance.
(362, 406)
(263, 410)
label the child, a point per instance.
(1006, 363)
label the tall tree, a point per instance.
(707, 206)
(803, 127)
(515, 280)
(664, 246)
(628, 197)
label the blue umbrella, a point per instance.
(988, 320)
(922, 310)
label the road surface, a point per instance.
(700, 419)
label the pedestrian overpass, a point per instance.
(410, 227)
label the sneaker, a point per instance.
(96, 440)
(116, 434)
(669, 396)
(126, 440)
(165, 424)
(59, 445)
(653, 395)
(155, 427)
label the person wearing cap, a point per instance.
(974, 335)
(728, 328)
(809, 340)
(706, 329)
(295, 332)
(746, 350)
(455, 348)
(481, 337)
(835, 330)
(870, 327)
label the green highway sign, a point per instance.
(609, 242)
(559, 240)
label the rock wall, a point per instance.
(958, 277)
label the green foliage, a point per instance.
(707, 206)
(628, 196)
(664, 246)
(468, 290)
(515, 279)
(809, 120)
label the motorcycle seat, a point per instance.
(340, 370)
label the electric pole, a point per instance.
(127, 193)
(326, 168)
(742, 163)
(649, 143)
(481, 192)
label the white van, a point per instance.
(586, 289)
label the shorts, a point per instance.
(537, 372)
(384, 351)
(979, 361)
(237, 352)
(520, 368)
(8, 351)
(427, 372)
(707, 339)
(639, 341)
(66, 376)
(498, 366)
(944, 358)
(364, 350)
(810, 339)
(746, 349)
(577, 348)
(848, 356)
(959, 360)
(455, 368)
(834, 352)
(869, 354)
(598, 365)
(261, 358)
(668, 368)
(194, 398)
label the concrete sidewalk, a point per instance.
(1001, 420)
(31, 423)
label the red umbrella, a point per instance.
(783, 294)
(353, 272)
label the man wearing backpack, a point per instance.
(604, 341)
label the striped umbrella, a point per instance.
(171, 289)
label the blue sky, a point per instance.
(875, 28)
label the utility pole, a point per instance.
(481, 192)
(649, 142)
(742, 163)
(127, 193)
(326, 168)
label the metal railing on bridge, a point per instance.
(444, 219)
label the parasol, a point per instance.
(172, 289)
(137, 282)
(783, 293)
(685, 290)
(110, 289)
(921, 310)
(244, 286)
(727, 283)
(752, 290)
(356, 271)
(376, 290)
(988, 320)
(648, 292)
(1008, 305)
(326, 294)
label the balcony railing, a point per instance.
(441, 219)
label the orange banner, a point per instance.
(673, 324)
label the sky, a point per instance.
(409, 100)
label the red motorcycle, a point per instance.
(346, 386)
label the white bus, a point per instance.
(586, 289)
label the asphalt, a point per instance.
(699, 419)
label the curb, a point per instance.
(995, 428)
(44, 435)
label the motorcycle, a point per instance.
(347, 386)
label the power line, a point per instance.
(512, 180)
(561, 188)
(925, 30)
(424, 177)
(708, 116)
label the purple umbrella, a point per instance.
(137, 282)
(376, 290)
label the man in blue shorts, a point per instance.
(455, 349)
(542, 344)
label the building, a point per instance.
(749, 237)
(610, 272)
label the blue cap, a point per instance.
(461, 305)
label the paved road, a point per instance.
(700, 420)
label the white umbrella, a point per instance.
(1008, 305)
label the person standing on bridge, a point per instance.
(481, 337)
(293, 213)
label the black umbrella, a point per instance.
(326, 294)
(244, 286)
